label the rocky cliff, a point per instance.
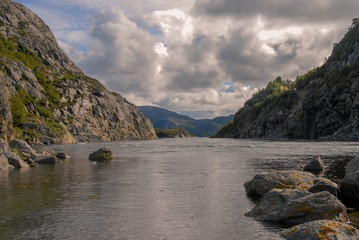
(45, 98)
(321, 104)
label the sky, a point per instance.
(202, 58)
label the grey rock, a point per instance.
(22, 147)
(45, 159)
(62, 156)
(4, 163)
(323, 184)
(314, 165)
(321, 229)
(31, 162)
(4, 148)
(16, 161)
(102, 154)
(352, 166)
(264, 182)
(349, 189)
(295, 207)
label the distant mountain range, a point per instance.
(165, 119)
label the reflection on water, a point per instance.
(165, 189)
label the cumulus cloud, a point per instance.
(203, 57)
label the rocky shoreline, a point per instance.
(313, 207)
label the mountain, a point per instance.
(165, 119)
(45, 98)
(321, 104)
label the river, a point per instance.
(164, 189)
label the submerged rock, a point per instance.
(352, 166)
(314, 165)
(44, 159)
(349, 188)
(295, 207)
(264, 182)
(321, 229)
(102, 154)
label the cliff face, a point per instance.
(321, 104)
(45, 98)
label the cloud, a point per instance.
(203, 57)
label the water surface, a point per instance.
(164, 189)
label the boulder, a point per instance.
(352, 166)
(323, 184)
(4, 148)
(264, 182)
(22, 147)
(321, 229)
(349, 189)
(62, 156)
(294, 207)
(45, 159)
(16, 161)
(314, 165)
(4, 163)
(31, 162)
(102, 154)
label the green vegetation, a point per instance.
(302, 81)
(172, 133)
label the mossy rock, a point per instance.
(102, 154)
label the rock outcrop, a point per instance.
(320, 230)
(321, 104)
(265, 182)
(173, 133)
(295, 207)
(45, 98)
(314, 165)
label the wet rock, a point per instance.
(295, 207)
(44, 159)
(321, 229)
(323, 184)
(31, 162)
(62, 156)
(4, 163)
(102, 154)
(349, 188)
(264, 182)
(314, 165)
(16, 161)
(352, 166)
(22, 147)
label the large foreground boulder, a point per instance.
(349, 188)
(102, 154)
(352, 166)
(314, 165)
(264, 182)
(294, 207)
(321, 229)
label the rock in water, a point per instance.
(295, 207)
(102, 154)
(349, 189)
(22, 146)
(62, 156)
(4, 163)
(314, 165)
(320, 230)
(44, 159)
(352, 166)
(70, 106)
(264, 182)
(16, 161)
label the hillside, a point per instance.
(321, 104)
(165, 119)
(45, 98)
